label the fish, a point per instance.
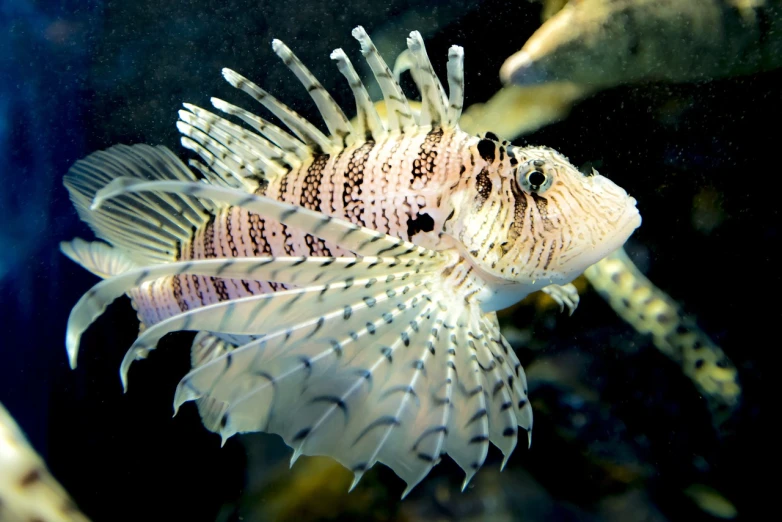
(28, 491)
(599, 44)
(653, 312)
(344, 285)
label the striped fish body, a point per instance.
(399, 185)
(344, 286)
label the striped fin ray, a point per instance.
(288, 270)
(503, 423)
(216, 176)
(468, 427)
(255, 314)
(233, 169)
(515, 378)
(455, 85)
(207, 347)
(336, 121)
(387, 362)
(406, 426)
(273, 160)
(366, 114)
(337, 380)
(148, 227)
(433, 97)
(267, 129)
(277, 374)
(306, 132)
(400, 116)
(332, 394)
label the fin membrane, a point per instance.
(97, 257)
(148, 228)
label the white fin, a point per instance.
(433, 98)
(348, 364)
(97, 257)
(251, 148)
(242, 316)
(270, 131)
(366, 115)
(208, 347)
(230, 150)
(307, 132)
(455, 85)
(399, 115)
(359, 240)
(286, 270)
(148, 227)
(336, 121)
(313, 384)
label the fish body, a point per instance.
(343, 285)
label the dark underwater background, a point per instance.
(620, 432)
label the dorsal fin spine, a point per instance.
(432, 92)
(332, 114)
(267, 129)
(366, 114)
(455, 84)
(306, 131)
(399, 114)
(273, 160)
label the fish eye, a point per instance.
(535, 177)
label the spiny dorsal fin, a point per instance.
(270, 131)
(366, 115)
(437, 108)
(399, 115)
(234, 169)
(306, 131)
(455, 85)
(252, 147)
(335, 119)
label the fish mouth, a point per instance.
(627, 224)
(630, 221)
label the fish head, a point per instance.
(537, 220)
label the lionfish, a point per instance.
(344, 287)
